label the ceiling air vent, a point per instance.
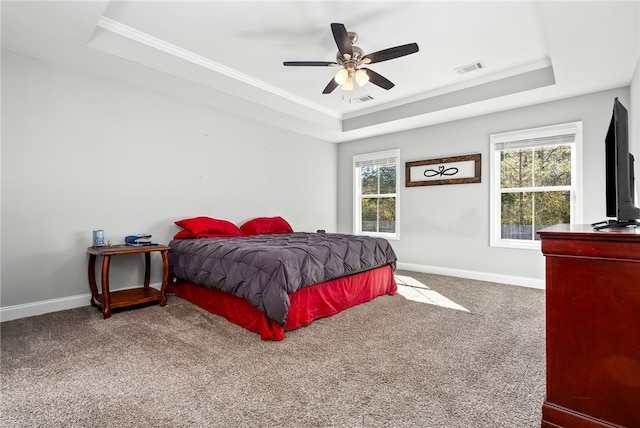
(470, 67)
(363, 99)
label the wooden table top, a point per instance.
(112, 250)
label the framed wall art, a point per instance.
(451, 170)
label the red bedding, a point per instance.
(306, 304)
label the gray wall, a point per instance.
(634, 120)
(445, 229)
(81, 152)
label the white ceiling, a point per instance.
(229, 54)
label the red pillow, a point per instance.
(202, 225)
(266, 225)
(185, 234)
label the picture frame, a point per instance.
(449, 170)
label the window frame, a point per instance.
(531, 135)
(357, 192)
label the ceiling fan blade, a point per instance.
(310, 63)
(330, 87)
(342, 39)
(390, 53)
(378, 79)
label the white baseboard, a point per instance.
(14, 312)
(480, 276)
(9, 313)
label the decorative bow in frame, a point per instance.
(451, 170)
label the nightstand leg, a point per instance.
(92, 279)
(147, 269)
(165, 278)
(105, 287)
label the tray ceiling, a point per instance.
(229, 54)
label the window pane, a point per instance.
(369, 176)
(516, 168)
(369, 214)
(553, 166)
(517, 210)
(387, 208)
(551, 208)
(375, 192)
(534, 185)
(388, 179)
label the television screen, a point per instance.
(619, 172)
(610, 163)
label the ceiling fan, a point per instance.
(351, 59)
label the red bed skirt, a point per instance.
(306, 304)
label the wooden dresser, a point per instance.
(592, 327)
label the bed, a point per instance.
(269, 279)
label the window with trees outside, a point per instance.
(535, 183)
(376, 194)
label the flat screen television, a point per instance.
(619, 173)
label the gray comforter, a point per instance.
(265, 269)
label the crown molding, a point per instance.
(186, 55)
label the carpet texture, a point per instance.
(391, 362)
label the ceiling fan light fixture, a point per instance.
(348, 85)
(341, 76)
(361, 77)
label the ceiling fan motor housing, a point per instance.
(352, 62)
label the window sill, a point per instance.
(390, 236)
(516, 245)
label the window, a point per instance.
(376, 194)
(535, 183)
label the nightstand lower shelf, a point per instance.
(131, 296)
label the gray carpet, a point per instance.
(391, 362)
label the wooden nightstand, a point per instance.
(129, 297)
